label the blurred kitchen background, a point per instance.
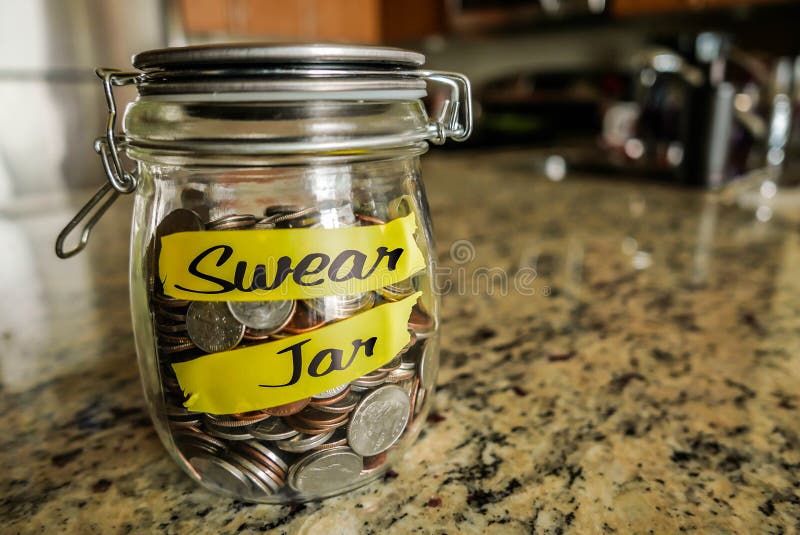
(698, 93)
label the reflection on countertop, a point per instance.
(617, 357)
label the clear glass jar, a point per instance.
(283, 305)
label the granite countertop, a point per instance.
(640, 374)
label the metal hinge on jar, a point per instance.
(454, 119)
(119, 179)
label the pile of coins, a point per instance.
(308, 448)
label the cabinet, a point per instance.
(625, 8)
(361, 21)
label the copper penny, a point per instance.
(317, 418)
(247, 449)
(306, 429)
(289, 408)
(373, 462)
(304, 321)
(367, 220)
(420, 321)
(315, 402)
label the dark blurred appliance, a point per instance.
(692, 110)
(548, 107)
(704, 110)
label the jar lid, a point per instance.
(281, 71)
(249, 55)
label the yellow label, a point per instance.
(298, 367)
(259, 265)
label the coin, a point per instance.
(367, 220)
(429, 364)
(399, 375)
(421, 322)
(344, 405)
(342, 306)
(392, 365)
(371, 380)
(339, 438)
(311, 430)
(303, 442)
(174, 349)
(288, 408)
(272, 428)
(289, 216)
(170, 302)
(313, 422)
(180, 220)
(166, 316)
(172, 339)
(228, 433)
(277, 458)
(330, 393)
(331, 400)
(378, 420)
(373, 463)
(257, 475)
(221, 474)
(304, 320)
(232, 421)
(197, 201)
(232, 221)
(212, 327)
(265, 316)
(264, 456)
(325, 471)
(198, 438)
(398, 290)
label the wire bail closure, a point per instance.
(454, 119)
(119, 180)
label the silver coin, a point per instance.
(228, 433)
(192, 442)
(370, 383)
(264, 316)
(325, 471)
(221, 474)
(257, 475)
(346, 404)
(400, 375)
(302, 442)
(331, 392)
(420, 401)
(232, 221)
(342, 306)
(273, 428)
(269, 452)
(212, 327)
(379, 420)
(429, 364)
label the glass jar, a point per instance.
(283, 305)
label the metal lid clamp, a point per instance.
(119, 180)
(453, 120)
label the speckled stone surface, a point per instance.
(641, 374)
